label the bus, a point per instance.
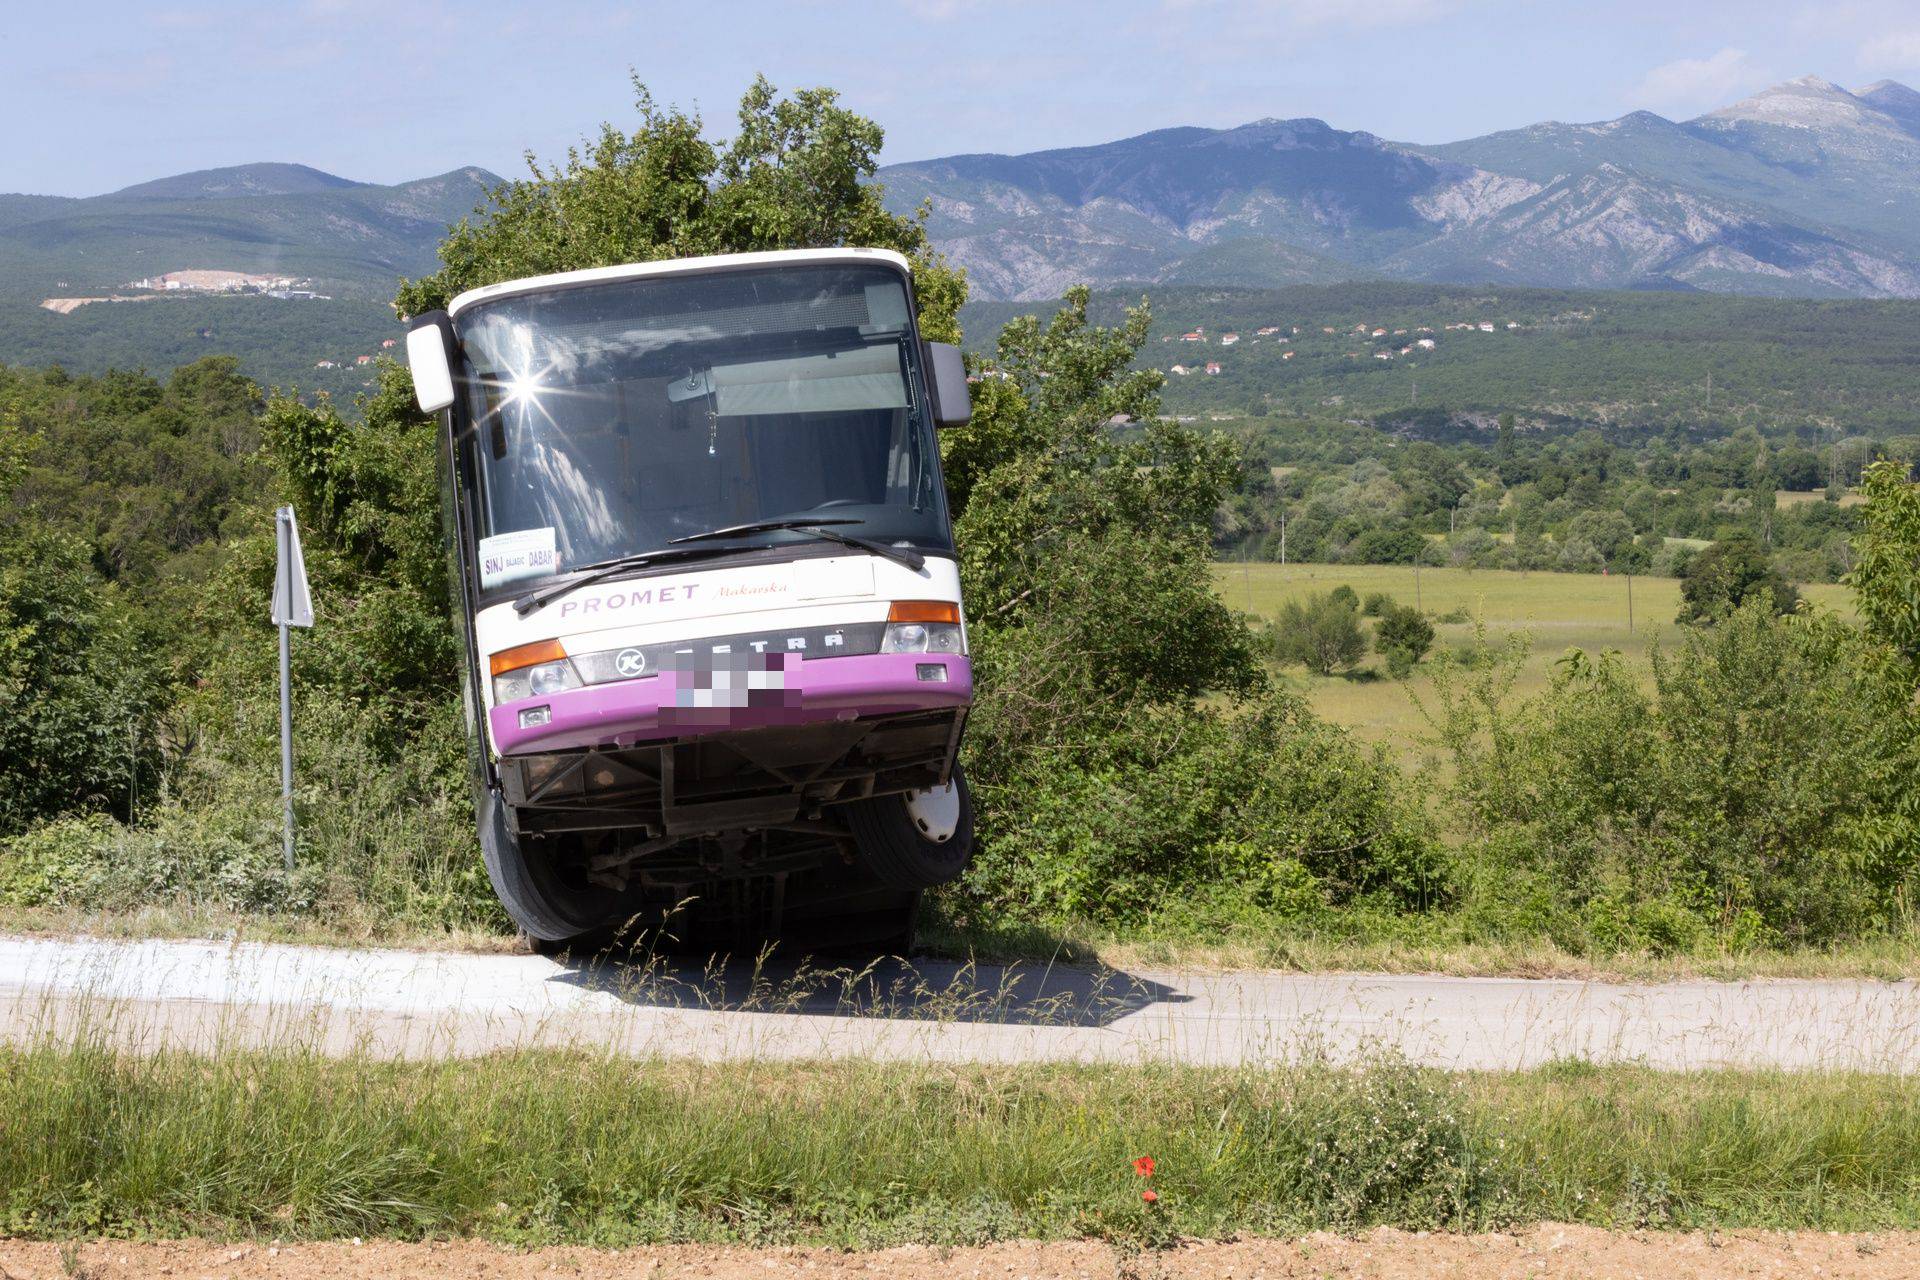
(716, 666)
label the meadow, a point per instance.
(1556, 611)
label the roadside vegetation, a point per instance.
(531, 1148)
(1151, 770)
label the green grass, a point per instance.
(1559, 611)
(552, 1148)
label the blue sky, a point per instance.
(102, 93)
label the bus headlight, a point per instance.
(922, 637)
(532, 671)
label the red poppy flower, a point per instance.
(1143, 1166)
(1149, 1195)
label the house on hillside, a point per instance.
(1486, 326)
(1286, 355)
(326, 364)
(1196, 336)
(1513, 324)
(1228, 339)
(1379, 333)
(1213, 366)
(1425, 344)
(1383, 355)
(1180, 371)
(363, 359)
(386, 344)
(1267, 331)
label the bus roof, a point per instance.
(672, 266)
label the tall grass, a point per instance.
(540, 1147)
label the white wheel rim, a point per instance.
(935, 811)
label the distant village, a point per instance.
(1379, 342)
(197, 281)
(229, 282)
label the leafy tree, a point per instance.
(1387, 546)
(1723, 576)
(796, 175)
(1886, 577)
(1321, 632)
(1402, 635)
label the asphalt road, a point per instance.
(405, 1003)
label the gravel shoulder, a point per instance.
(1546, 1252)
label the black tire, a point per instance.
(552, 908)
(898, 854)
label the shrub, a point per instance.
(1322, 632)
(1640, 804)
(1265, 804)
(1387, 546)
(1724, 575)
(1377, 603)
(1403, 634)
(79, 687)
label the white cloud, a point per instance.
(1893, 51)
(1689, 84)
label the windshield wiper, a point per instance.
(601, 570)
(819, 529)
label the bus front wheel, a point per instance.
(915, 839)
(547, 897)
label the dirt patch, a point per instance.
(1548, 1252)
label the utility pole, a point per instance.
(1283, 537)
(1629, 601)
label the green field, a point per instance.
(1559, 611)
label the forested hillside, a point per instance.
(1618, 359)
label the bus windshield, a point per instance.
(608, 418)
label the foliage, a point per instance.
(79, 685)
(1886, 577)
(796, 175)
(1402, 635)
(1322, 633)
(1267, 806)
(1726, 575)
(1660, 817)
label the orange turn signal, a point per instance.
(526, 655)
(924, 611)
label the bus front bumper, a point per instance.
(791, 690)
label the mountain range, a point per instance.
(353, 238)
(1805, 189)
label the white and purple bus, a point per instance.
(716, 661)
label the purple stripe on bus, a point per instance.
(815, 690)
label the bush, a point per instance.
(1377, 603)
(79, 687)
(1387, 546)
(1723, 576)
(1265, 804)
(1403, 634)
(1667, 814)
(1322, 633)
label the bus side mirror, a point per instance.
(430, 357)
(947, 383)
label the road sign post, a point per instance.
(292, 607)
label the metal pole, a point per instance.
(286, 719)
